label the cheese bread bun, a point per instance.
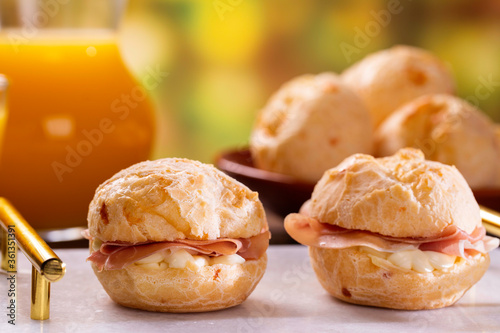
(397, 232)
(448, 130)
(387, 79)
(310, 125)
(176, 235)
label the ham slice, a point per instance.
(117, 255)
(452, 241)
(311, 232)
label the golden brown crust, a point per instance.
(387, 79)
(349, 275)
(400, 196)
(449, 130)
(171, 199)
(182, 290)
(309, 125)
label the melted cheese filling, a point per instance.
(183, 259)
(415, 260)
(96, 245)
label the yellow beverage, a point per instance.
(3, 120)
(76, 116)
(3, 110)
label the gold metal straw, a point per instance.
(491, 221)
(47, 267)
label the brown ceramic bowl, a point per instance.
(279, 193)
(489, 198)
(283, 194)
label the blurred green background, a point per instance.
(225, 57)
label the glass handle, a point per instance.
(47, 267)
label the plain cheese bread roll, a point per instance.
(309, 125)
(387, 79)
(448, 130)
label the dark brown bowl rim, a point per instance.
(224, 163)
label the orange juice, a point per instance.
(3, 109)
(3, 120)
(76, 116)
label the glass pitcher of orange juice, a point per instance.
(76, 114)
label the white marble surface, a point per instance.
(288, 299)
